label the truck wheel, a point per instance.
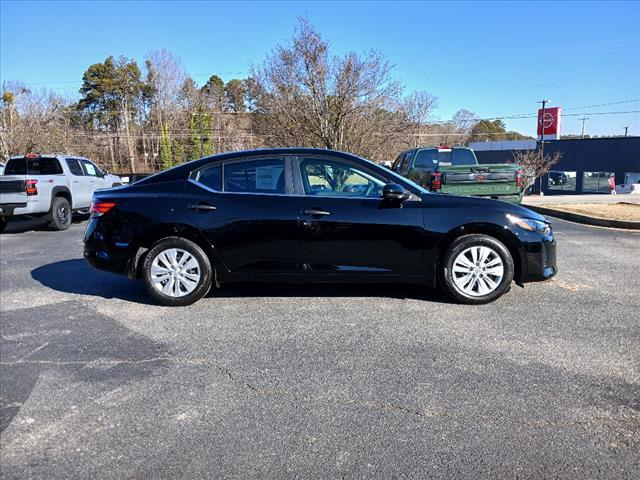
(61, 214)
(176, 272)
(477, 269)
(3, 223)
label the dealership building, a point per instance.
(587, 165)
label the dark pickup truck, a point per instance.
(455, 170)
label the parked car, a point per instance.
(557, 178)
(51, 187)
(456, 170)
(258, 216)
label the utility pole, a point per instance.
(583, 119)
(626, 130)
(544, 104)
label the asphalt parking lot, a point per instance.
(277, 381)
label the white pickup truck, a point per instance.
(50, 186)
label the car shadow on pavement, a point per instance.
(76, 276)
(398, 291)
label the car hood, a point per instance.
(477, 203)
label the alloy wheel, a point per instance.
(477, 271)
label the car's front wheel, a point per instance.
(177, 272)
(477, 269)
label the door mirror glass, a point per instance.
(394, 191)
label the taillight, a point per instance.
(31, 188)
(100, 208)
(436, 181)
(519, 179)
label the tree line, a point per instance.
(133, 118)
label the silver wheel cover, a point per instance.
(175, 272)
(477, 271)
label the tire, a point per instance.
(171, 285)
(3, 223)
(61, 214)
(478, 281)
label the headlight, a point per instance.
(542, 228)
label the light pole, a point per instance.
(544, 103)
(583, 119)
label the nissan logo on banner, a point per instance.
(550, 123)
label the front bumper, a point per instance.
(539, 260)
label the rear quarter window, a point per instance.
(33, 166)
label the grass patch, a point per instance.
(629, 212)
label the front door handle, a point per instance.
(315, 211)
(201, 206)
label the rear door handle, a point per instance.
(201, 206)
(315, 211)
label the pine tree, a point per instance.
(165, 148)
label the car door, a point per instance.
(347, 228)
(81, 187)
(248, 212)
(93, 176)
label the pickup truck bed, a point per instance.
(456, 171)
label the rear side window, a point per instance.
(33, 166)
(74, 167)
(255, 176)
(211, 177)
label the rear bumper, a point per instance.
(11, 209)
(104, 255)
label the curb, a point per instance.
(578, 218)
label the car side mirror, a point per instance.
(395, 192)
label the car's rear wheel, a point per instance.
(477, 269)
(177, 272)
(61, 214)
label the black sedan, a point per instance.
(309, 215)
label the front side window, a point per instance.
(558, 180)
(255, 176)
(597, 181)
(329, 178)
(90, 169)
(74, 167)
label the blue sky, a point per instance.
(493, 58)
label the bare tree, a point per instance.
(534, 165)
(307, 97)
(418, 107)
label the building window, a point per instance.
(631, 177)
(565, 181)
(597, 182)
